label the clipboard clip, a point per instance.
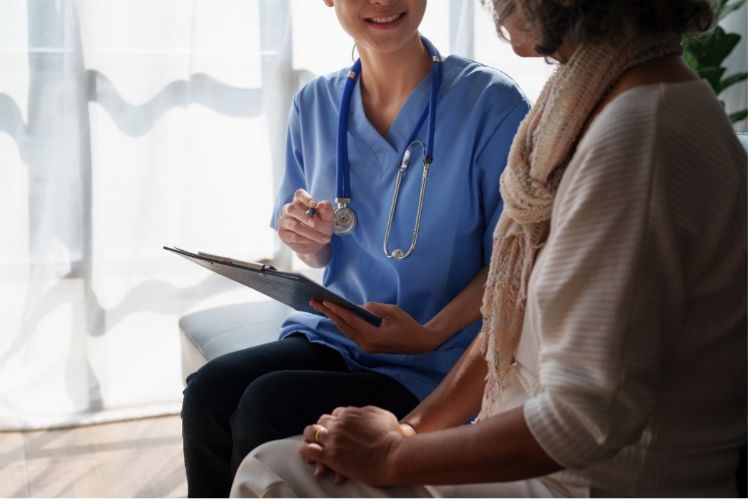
(247, 264)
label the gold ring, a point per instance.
(317, 433)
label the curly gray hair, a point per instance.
(585, 21)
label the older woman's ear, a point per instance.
(329, 3)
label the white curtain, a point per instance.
(126, 125)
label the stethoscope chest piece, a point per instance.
(344, 219)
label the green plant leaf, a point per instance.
(731, 80)
(690, 59)
(706, 53)
(729, 7)
(713, 76)
(711, 49)
(694, 48)
(738, 116)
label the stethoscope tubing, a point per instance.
(435, 89)
(343, 188)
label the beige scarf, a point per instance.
(541, 150)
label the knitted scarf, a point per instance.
(541, 150)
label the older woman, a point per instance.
(613, 354)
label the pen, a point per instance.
(310, 212)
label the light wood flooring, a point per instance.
(140, 458)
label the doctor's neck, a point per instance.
(389, 78)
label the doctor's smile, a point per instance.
(385, 21)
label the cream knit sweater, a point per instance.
(632, 366)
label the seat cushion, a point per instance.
(207, 334)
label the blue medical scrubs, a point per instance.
(478, 112)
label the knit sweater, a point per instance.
(632, 364)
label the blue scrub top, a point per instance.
(478, 112)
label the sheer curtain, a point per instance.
(128, 125)
(125, 126)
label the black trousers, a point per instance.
(244, 399)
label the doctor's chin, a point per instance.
(373, 248)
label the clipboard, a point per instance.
(291, 289)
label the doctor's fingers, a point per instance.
(325, 309)
(304, 198)
(300, 244)
(351, 318)
(324, 209)
(355, 328)
(298, 232)
(385, 310)
(298, 211)
(341, 324)
(321, 220)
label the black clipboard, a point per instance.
(291, 289)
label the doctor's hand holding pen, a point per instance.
(306, 226)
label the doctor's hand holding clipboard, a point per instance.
(388, 337)
(398, 331)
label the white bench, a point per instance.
(207, 334)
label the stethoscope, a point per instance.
(345, 220)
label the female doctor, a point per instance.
(391, 185)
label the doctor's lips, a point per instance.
(386, 20)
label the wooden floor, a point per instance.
(141, 458)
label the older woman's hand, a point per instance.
(354, 442)
(398, 333)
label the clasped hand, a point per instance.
(354, 442)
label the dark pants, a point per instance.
(243, 399)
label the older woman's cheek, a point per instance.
(520, 35)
